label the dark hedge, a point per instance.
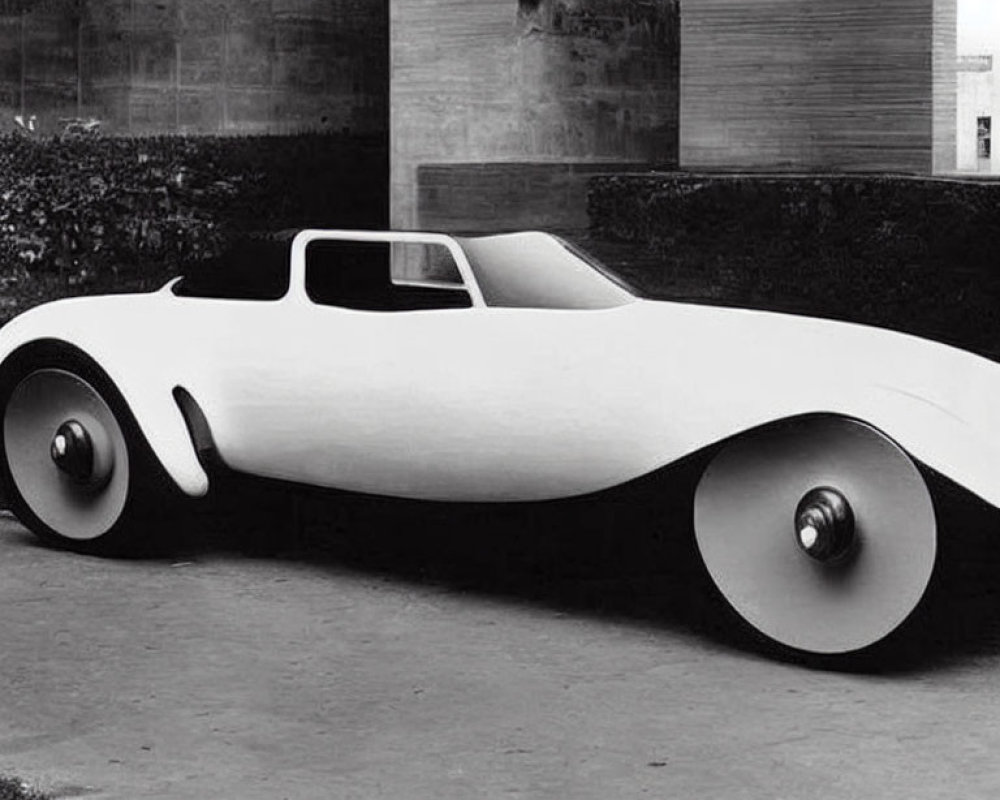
(84, 215)
(917, 255)
(16, 789)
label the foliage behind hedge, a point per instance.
(80, 215)
(912, 254)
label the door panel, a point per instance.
(461, 404)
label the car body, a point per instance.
(536, 375)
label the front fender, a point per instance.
(139, 366)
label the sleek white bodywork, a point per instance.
(507, 404)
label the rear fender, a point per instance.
(937, 437)
(963, 450)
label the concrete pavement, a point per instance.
(385, 666)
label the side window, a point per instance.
(255, 268)
(349, 274)
(383, 276)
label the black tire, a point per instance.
(115, 514)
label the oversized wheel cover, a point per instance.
(744, 523)
(37, 407)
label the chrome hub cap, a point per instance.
(824, 526)
(72, 451)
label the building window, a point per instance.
(984, 127)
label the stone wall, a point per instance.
(199, 66)
(508, 82)
(917, 255)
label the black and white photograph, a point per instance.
(542, 399)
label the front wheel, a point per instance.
(819, 532)
(72, 455)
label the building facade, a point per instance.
(978, 104)
(801, 85)
(198, 66)
(501, 108)
(498, 111)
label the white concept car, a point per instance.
(502, 369)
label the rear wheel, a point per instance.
(819, 532)
(77, 471)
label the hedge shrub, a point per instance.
(917, 255)
(82, 215)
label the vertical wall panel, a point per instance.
(945, 86)
(802, 84)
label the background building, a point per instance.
(481, 89)
(197, 66)
(978, 86)
(978, 101)
(839, 85)
(501, 108)
(498, 111)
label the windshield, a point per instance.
(538, 270)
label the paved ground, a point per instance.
(490, 663)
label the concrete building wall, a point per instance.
(806, 85)
(200, 66)
(534, 90)
(38, 57)
(945, 97)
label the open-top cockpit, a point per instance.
(387, 272)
